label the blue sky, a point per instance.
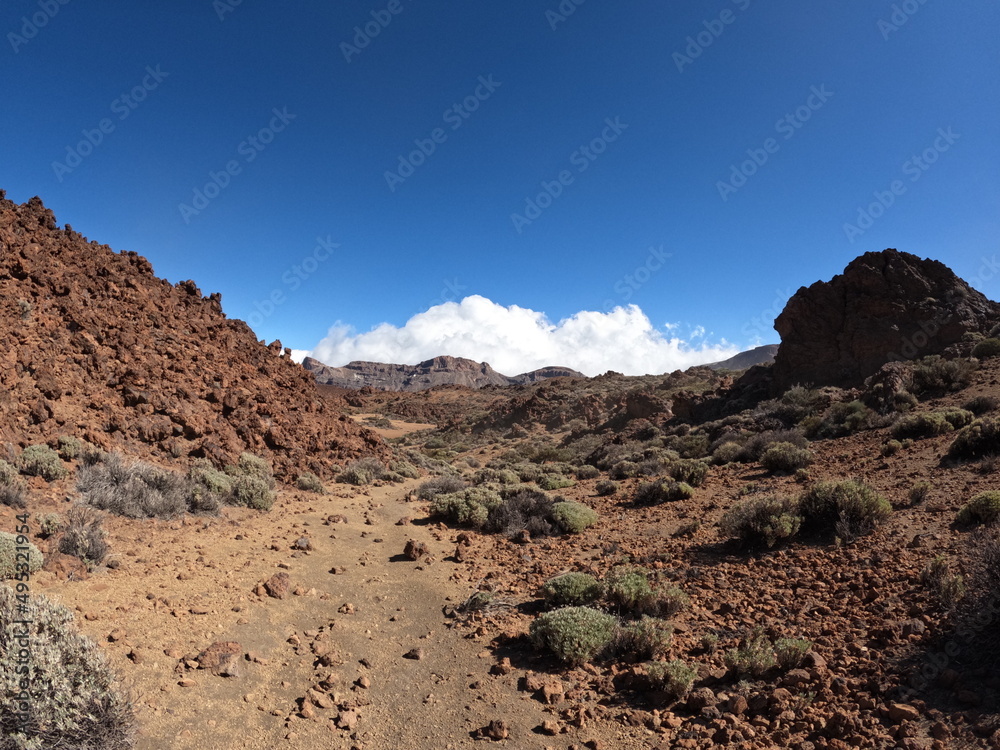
(697, 160)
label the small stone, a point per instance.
(414, 653)
(277, 586)
(222, 658)
(116, 635)
(496, 730)
(414, 550)
(900, 712)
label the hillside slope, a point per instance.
(94, 345)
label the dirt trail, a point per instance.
(185, 585)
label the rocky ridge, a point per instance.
(97, 347)
(429, 374)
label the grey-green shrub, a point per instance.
(41, 461)
(50, 524)
(214, 481)
(250, 465)
(554, 482)
(986, 349)
(726, 453)
(754, 657)
(848, 509)
(689, 471)
(573, 517)
(134, 489)
(439, 486)
(929, 424)
(645, 638)
(983, 508)
(947, 586)
(362, 471)
(606, 487)
(576, 635)
(785, 457)
(468, 507)
(587, 472)
(75, 702)
(662, 491)
(309, 482)
(978, 440)
(253, 492)
(10, 566)
(69, 447)
(789, 652)
(674, 677)
(405, 469)
(762, 521)
(83, 536)
(572, 589)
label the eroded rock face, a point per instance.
(884, 306)
(432, 373)
(95, 346)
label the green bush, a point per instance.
(624, 470)
(755, 445)
(74, 700)
(978, 440)
(980, 405)
(843, 418)
(726, 453)
(405, 469)
(468, 507)
(689, 471)
(576, 635)
(83, 536)
(50, 524)
(986, 348)
(785, 457)
(572, 589)
(646, 638)
(587, 472)
(692, 445)
(10, 566)
(573, 517)
(69, 447)
(525, 510)
(935, 376)
(250, 465)
(13, 492)
(847, 509)
(41, 461)
(662, 491)
(439, 486)
(495, 476)
(606, 487)
(628, 589)
(214, 481)
(929, 424)
(762, 521)
(891, 448)
(309, 482)
(554, 482)
(754, 657)
(362, 472)
(254, 492)
(919, 493)
(983, 508)
(948, 587)
(668, 602)
(674, 678)
(789, 652)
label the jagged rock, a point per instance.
(429, 374)
(884, 306)
(222, 658)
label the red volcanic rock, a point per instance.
(434, 372)
(94, 345)
(885, 306)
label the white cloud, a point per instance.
(516, 340)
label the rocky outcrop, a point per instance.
(885, 306)
(95, 346)
(430, 374)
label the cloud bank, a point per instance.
(515, 340)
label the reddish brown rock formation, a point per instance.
(430, 374)
(95, 346)
(887, 305)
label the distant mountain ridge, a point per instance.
(433, 372)
(761, 355)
